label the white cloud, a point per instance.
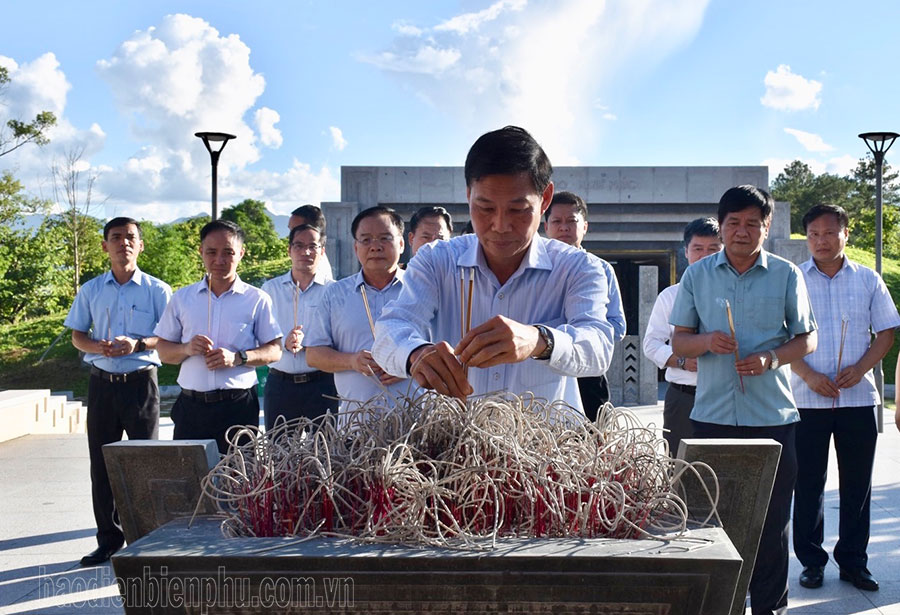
(468, 22)
(337, 138)
(405, 28)
(540, 65)
(810, 141)
(265, 123)
(787, 91)
(611, 117)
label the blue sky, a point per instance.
(311, 86)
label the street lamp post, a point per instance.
(879, 143)
(214, 137)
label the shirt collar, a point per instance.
(239, 287)
(810, 266)
(137, 277)
(536, 257)
(761, 261)
(319, 278)
(358, 279)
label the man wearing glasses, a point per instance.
(342, 332)
(293, 388)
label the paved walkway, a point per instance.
(47, 525)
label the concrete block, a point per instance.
(669, 185)
(573, 179)
(689, 576)
(408, 185)
(437, 185)
(155, 481)
(746, 472)
(648, 372)
(637, 184)
(795, 250)
(603, 185)
(359, 184)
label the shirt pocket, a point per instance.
(767, 312)
(141, 324)
(241, 336)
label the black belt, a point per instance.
(684, 388)
(120, 378)
(216, 395)
(295, 378)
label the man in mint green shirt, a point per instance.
(743, 384)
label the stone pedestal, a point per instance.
(194, 570)
(745, 470)
(155, 481)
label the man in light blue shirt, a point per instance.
(743, 388)
(836, 396)
(112, 321)
(566, 220)
(342, 331)
(293, 388)
(538, 307)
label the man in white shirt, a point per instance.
(701, 238)
(219, 330)
(293, 388)
(836, 396)
(566, 220)
(342, 332)
(538, 307)
(429, 224)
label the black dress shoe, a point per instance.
(98, 556)
(812, 577)
(861, 579)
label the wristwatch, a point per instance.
(243, 355)
(141, 345)
(545, 334)
(773, 363)
(679, 363)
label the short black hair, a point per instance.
(740, 198)
(508, 151)
(430, 212)
(312, 214)
(824, 209)
(701, 227)
(121, 221)
(306, 227)
(378, 210)
(567, 198)
(222, 225)
(468, 229)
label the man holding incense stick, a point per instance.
(343, 327)
(293, 388)
(566, 220)
(112, 321)
(536, 307)
(219, 330)
(836, 396)
(748, 397)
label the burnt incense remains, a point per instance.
(436, 471)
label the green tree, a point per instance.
(263, 243)
(802, 188)
(171, 251)
(16, 133)
(861, 207)
(33, 281)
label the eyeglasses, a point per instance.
(368, 241)
(306, 247)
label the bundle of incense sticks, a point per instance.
(365, 299)
(296, 304)
(845, 322)
(737, 356)
(465, 304)
(108, 326)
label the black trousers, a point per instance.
(855, 433)
(292, 400)
(196, 419)
(677, 417)
(594, 393)
(115, 408)
(769, 583)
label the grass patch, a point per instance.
(22, 344)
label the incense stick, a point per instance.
(208, 307)
(737, 356)
(462, 303)
(108, 326)
(296, 305)
(365, 299)
(844, 325)
(471, 276)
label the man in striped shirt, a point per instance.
(834, 388)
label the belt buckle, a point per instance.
(210, 397)
(301, 378)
